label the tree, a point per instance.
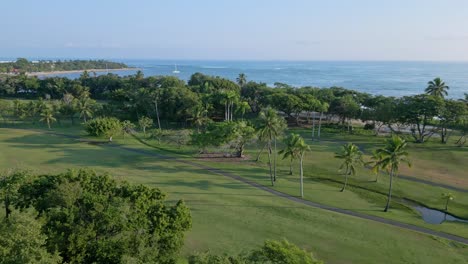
(418, 111)
(47, 116)
(451, 114)
(302, 147)
(241, 134)
(103, 126)
(391, 156)
(352, 157)
(437, 88)
(278, 252)
(447, 197)
(376, 158)
(145, 122)
(323, 109)
(84, 106)
(199, 118)
(282, 252)
(23, 242)
(270, 126)
(291, 149)
(91, 218)
(241, 80)
(127, 127)
(10, 182)
(346, 107)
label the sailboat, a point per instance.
(175, 69)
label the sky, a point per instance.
(433, 30)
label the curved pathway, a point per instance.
(287, 196)
(299, 200)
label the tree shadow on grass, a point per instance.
(41, 139)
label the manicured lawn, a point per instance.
(229, 216)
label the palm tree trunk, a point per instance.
(48, 123)
(157, 113)
(269, 163)
(225, 111)
(290, 166)
(345, 182)
(301, 172)
(274, 162)
(313, 126)
(232, 109)
(390, 190)
(446, 205)
(260, 152)
(319, 126)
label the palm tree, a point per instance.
(447, 197)
(375, 164)
(391, 156)
(199, 118)
(352, 157)
(323, 108)
(84, 107)
(437, 87)
(47, 116)
(296, 148)
(291, 150)
(270, 126)
(241, 79)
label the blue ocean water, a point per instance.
(390, 78)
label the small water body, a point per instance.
(436, 217)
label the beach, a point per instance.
(78, 71)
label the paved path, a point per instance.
(290, 197)
(406, 177)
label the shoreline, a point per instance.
(79, 71)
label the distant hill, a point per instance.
(22, 65)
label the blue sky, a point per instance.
(236, 29)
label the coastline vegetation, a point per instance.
(241, 127)
(22, 65)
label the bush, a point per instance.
(103, 126)
(271, 252)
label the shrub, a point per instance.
(103, 126)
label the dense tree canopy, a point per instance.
(91, 218)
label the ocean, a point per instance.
(390, 78)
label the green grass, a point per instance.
(229, 216)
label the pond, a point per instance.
(436, 217)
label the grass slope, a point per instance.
(229, 216)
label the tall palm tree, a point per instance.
(375, 164)
(302, 147)
(295, 149)
(323, 108)
(447, 197)
(199, 118)
(84, 107)
(437, 87)
(241, 79)
(291, 149)
(391, 156)
(47, 116)
(352, 157)
(270, 126)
